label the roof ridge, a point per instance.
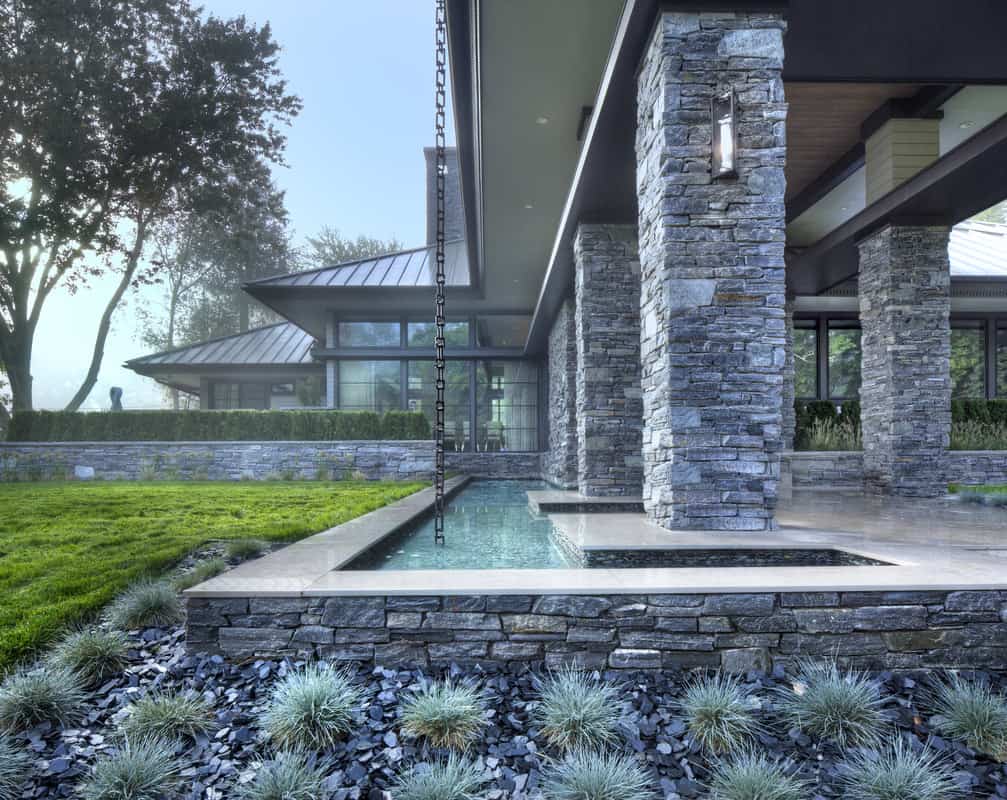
(216, 339)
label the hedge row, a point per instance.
(994, 411)
(205, 426)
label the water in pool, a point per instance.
(488, 525)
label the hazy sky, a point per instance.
(355, 162)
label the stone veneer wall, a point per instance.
(905, 391)
(218, 461)
(845, 469)
(520, 466)
(607, 323)
(559, 463)
(713, 287)
(881, 630)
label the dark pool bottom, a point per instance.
(664, 559)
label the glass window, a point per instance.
(253, 395)
(844, 362)
(502, 330)
(226, 395)
(421, 334)
(968, 362)
(370, 385)
(506, 406)
(422, 394)
(1001, 362)
(805, 360)
(369, 334)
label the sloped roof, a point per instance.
(978, 250)
(280, 344)
(402, 269)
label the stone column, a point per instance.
(712, 285)
(559, 463)
(607, 323)
(905, 392)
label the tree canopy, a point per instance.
(329, 247)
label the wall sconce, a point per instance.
(725, 135)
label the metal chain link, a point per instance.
(441, 172)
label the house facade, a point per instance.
(668, 221)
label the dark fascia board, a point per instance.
(154, 370)
(960, 184)
(416, 353)
(837, 172)
(925, 104)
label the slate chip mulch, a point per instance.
(365, 765)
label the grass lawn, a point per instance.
(66, 549)
(987, 489)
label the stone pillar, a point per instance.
(712, 285)
(607, 324)
(559, 463)
(905, 392)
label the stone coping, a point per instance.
(550, 501)
(311, 567)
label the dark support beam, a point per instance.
(839, 171)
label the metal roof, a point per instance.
(280, 344)
(978, 250)
(402, 269)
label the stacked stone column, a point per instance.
(607, 325)
(559, 463)
(905, 393)
(712, 285)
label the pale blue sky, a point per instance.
(355, 161)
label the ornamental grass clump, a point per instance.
(43, 694)
(718, 713)
(445, 714)
(453, 779)
(140, 769)
(595, 775)
(203, 571)
(147, 604)
(311, 709)
(830, 704)
(972, 712)
(169, 717)
(94, 655)
(15, 768)
(897, 773)
(577, 711)
(752, 776)
(288, 775)
(244, 549)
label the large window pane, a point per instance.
(502, 330)
(370, 386)
(844, 363)
(369, 334)
(1002, 362)
(421, 334)
(423, 392)
(506, 406)
(806, 363)
(226, 395)
(968, 363)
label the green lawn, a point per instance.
(66, 549)
(988, 489)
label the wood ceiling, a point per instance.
(823, 123)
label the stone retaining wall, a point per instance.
(845, 469)
(506, 466)
(877, 630)
(385, 460)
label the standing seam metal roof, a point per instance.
(280, 344)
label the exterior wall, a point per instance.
(559, 463)
(713, 286)
(519, 466)
(609, 406)
(880, 630)
(845, 469)
(228, 461)
(905, 393)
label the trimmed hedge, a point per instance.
(208, 426)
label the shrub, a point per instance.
(311, 709)
(591, 775)
(141, 769)
(577, 711)
(453, 779)
(445, 714)
(146, 604)
(973, 713)
(977, 435)
(42, 694)
(15, 768)
(752, 776)
(94, 656)
(238, 425)
(203, 571)
(718, 713)
(844, 707)
(244, 549)
(289, 775)
(834, 435)
(169, 717)
(897, 774)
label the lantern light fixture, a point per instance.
(723, 113)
